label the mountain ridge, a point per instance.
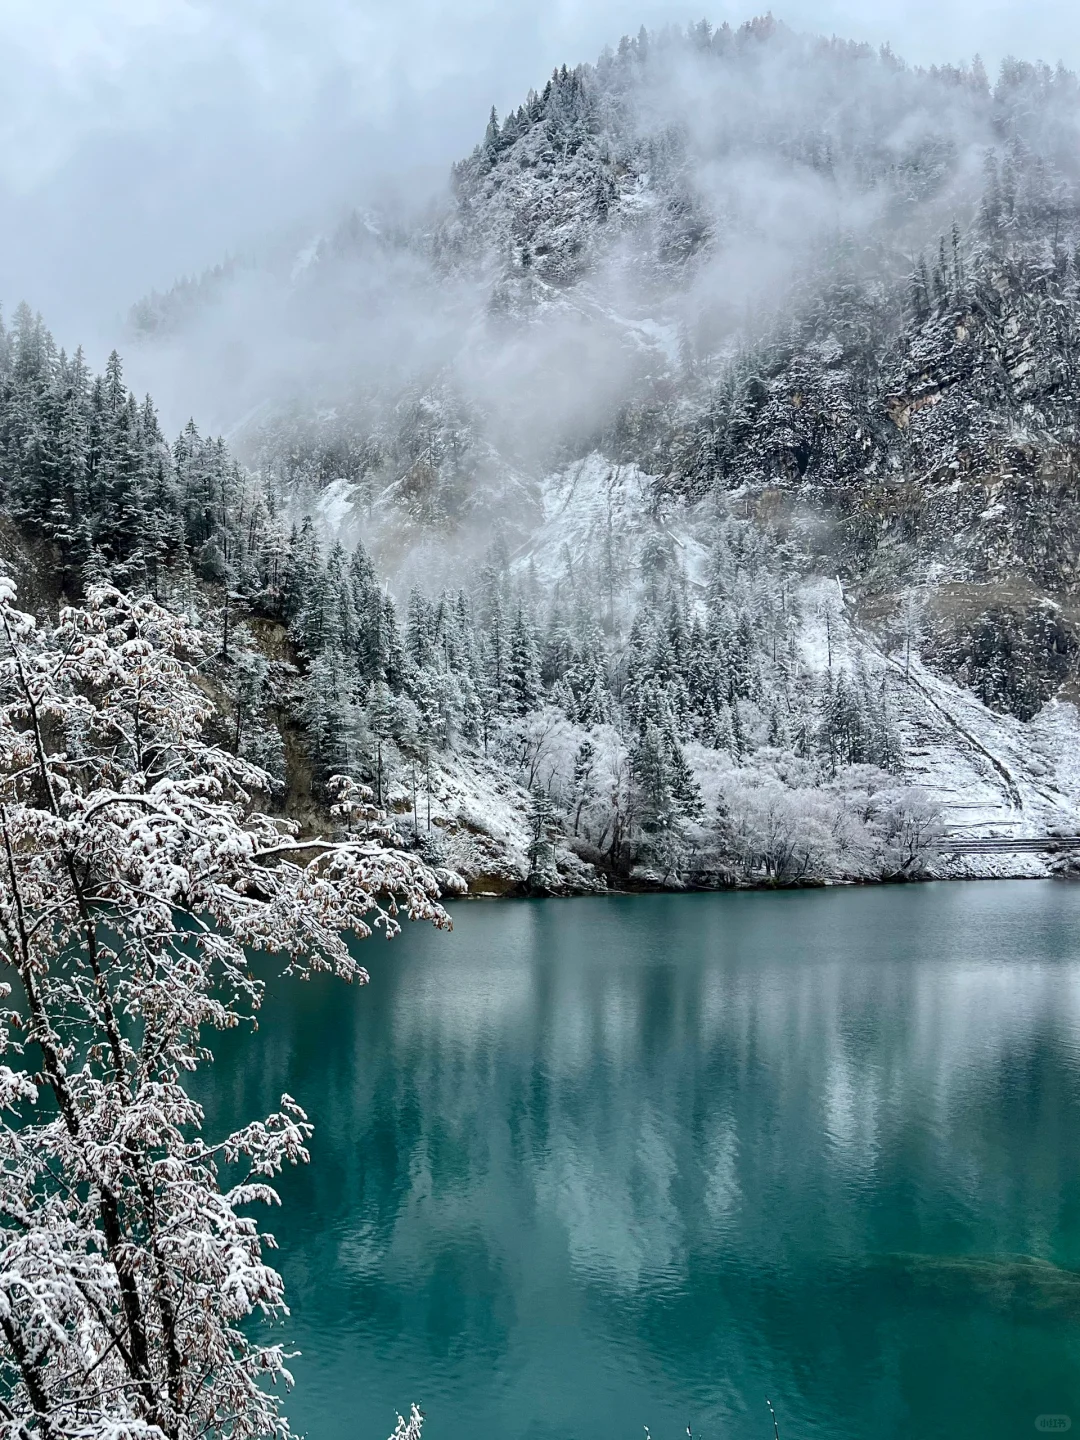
(714, 453)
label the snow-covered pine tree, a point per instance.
(541, 851)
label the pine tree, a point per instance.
(523, 688)
(684, 787)
(541, 850)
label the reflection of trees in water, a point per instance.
(695, 1140)
(656, 1111)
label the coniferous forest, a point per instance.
(319, 669)
(771, 509)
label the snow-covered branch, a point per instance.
(137, 873)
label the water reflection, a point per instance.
(583, 1166)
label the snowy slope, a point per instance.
(477, 823)
(991, 774)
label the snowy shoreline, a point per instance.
(1031, 867)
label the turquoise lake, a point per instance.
(587, 1166)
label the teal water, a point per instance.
(582, 1167)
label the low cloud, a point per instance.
(140, 139)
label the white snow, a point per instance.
(335, 506)
(993, 775)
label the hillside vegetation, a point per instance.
(652, 507)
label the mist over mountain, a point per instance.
(686, 179)
(733, 258)
(713, 430)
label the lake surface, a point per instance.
(585, 1166)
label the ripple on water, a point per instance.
(582, 1167)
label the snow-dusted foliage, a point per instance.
(722, 405)
(410, 1429)
(137, 876)
(609, 698)
(614, 637)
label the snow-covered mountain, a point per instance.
(740, 260)
(715, 430)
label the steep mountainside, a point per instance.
(687, 495)
(742, 261)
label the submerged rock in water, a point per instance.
(1009, 1280)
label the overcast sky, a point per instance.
(140, 139)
